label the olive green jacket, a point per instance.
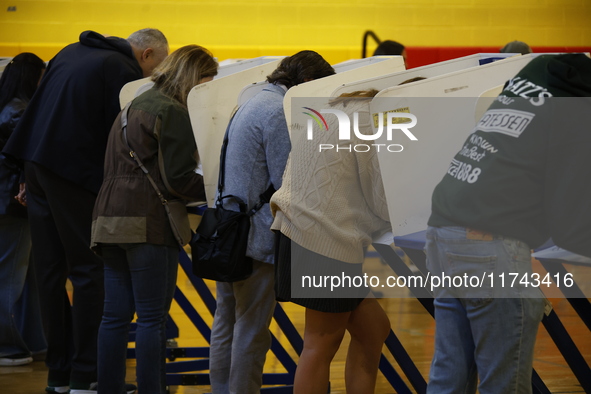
(128, 209)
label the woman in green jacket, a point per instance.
(131, 229)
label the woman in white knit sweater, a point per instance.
(329, 207)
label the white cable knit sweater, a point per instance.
(332, 202)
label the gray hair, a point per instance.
(148, 38)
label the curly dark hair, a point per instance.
(299, 68)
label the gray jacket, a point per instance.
(257, 152)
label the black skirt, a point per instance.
(314, 281)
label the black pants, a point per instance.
(60, 215)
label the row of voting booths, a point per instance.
(447, 103)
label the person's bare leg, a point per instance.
(369, 327)
(323, 334)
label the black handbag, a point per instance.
(218, 248)
(176, 210)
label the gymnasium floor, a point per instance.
(411, 323)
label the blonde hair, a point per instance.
(182, 70)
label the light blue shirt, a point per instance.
(258, 148)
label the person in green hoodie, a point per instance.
(522, 177)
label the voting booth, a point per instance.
(251, 90)
(447, 108)
(429, 71)
(240, 65)
(356, 63)
(462, 87)
(211, 106)
(324, 87)
(4, 62)
(444, 107)
(320, 90)
(135, 88)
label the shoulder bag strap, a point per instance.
(263, 198)
(221, 177)
(135, 156)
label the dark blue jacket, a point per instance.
(66, 124)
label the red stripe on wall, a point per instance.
(421, 56)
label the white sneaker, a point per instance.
(129, 389)
(89, 390)
(17, 359)
(57, 389)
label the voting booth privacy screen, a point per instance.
(416, 139)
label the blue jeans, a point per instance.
(142, 278)
(21, 328)
(487, 332)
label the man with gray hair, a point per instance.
(149, 47)
(61, 139)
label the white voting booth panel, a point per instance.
(4, 62)
(225, 62)
(231, 68)
(442, 126)
(134, 88)
(210, 108)
(356, 63)
(429, 71)
(251, 90)
(323, 87)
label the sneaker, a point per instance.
(16, 359)
(90, 390)
(57, 389)
(129, 389)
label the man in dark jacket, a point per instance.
(61, 139)
(521, 177)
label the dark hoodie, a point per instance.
(525, 171)
(66, 124)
